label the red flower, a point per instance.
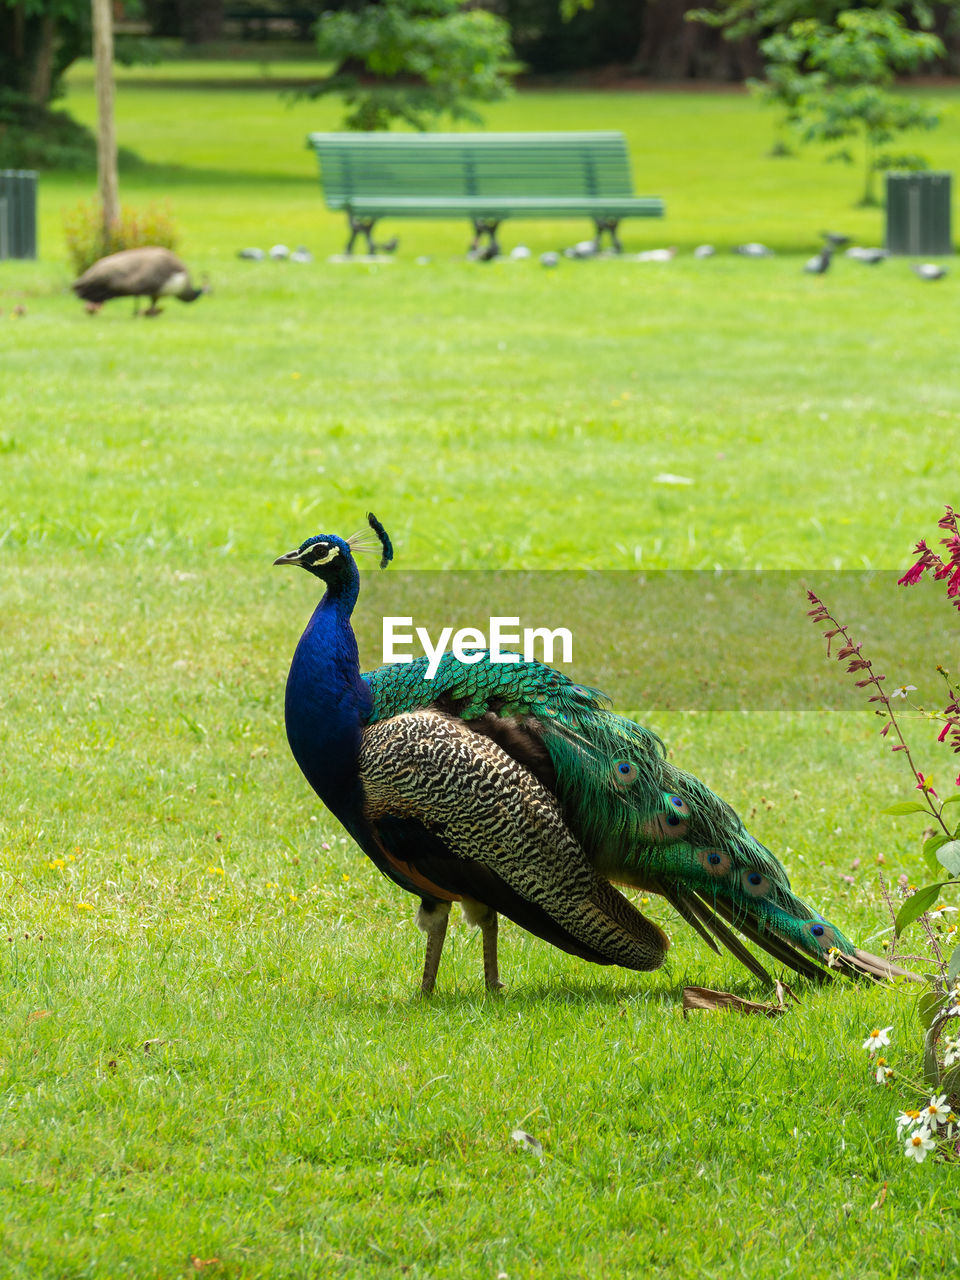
(928, 560)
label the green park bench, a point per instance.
(486, 177)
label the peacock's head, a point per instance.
(331, 558)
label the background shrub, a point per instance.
(86, 240)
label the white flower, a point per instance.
(908, 1120)
(876, 1038)
(901, 692)
(941, 911)
(952, 1054)
(884, 1073)
(937, 1112)
(918, 1144)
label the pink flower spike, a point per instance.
(925, 785)
(901, 747)
(944, 731)
(913, 575)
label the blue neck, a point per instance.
(327, 703)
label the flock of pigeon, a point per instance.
(818, 265)
(279, 253)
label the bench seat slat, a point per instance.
(504, 206)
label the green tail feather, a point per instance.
(637, 816)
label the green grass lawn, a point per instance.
(210, 1042)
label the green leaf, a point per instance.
(917, 904)
(948, 855)
(905, 806)
(930, 847)
(931, 1068)
(953, 967)
(952, 800)
(928, 1006)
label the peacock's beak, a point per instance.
(292, 557)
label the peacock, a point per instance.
(150, 272)
(515, 791)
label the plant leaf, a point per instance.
(916, 905)
(931, 1068)
(953, 967)
(930, 847)
(718, 1001)
(948, 855)
(928, 1006)
(905, 806)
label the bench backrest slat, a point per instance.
(466, 164)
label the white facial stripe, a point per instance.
(176, 284)
(334, 551)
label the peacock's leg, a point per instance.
(432, 918)
(485, 918)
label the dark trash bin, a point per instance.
(18, 213)
(918, 214)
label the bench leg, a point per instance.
(485, 227)
(610, 226)
(364, 227)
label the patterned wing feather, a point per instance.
(489, 830)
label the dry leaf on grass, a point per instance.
(704, 999)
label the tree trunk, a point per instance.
(201, 20)
(106, 133)
(675, 49)
(41, 75)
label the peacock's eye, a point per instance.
(714, 862)
(754, 883)
(673, 820)
(677, 801)
(624, 771)
(817, 930)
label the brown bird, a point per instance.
(136, 273)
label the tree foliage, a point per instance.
(413, 60)
(38, 41)
(833, 81)
(740, 18)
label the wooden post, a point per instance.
(106, 134)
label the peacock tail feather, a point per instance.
(640, 819)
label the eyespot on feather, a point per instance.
(665, 826)
(677, 804)
(822, 934)
(714, 861)
(624, 772)
(755, 884)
